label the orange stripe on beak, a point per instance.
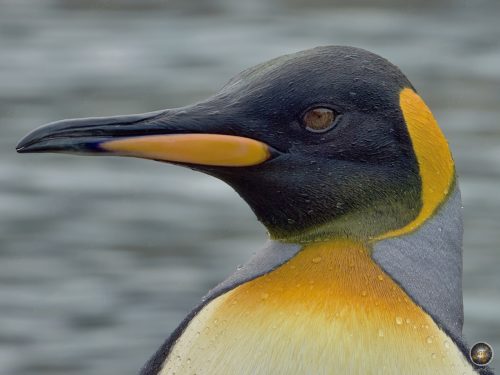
(202, 149)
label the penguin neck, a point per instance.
(425, 261)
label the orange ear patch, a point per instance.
(437, 169)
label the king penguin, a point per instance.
(343, 162)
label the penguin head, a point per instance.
(328, 142)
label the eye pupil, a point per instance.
(319, 120)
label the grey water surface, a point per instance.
(100, 258)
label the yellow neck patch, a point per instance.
(437, 169)
(328, 310)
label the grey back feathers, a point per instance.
(273, 255)
(427, 264)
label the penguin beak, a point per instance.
(178, 136)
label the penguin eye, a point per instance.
(319, 120)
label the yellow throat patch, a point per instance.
(328, 310)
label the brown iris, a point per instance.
(319, 120)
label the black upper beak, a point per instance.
(86, 134)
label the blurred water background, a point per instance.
(100, 258)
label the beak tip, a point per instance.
(23, 146)
(22, 150)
